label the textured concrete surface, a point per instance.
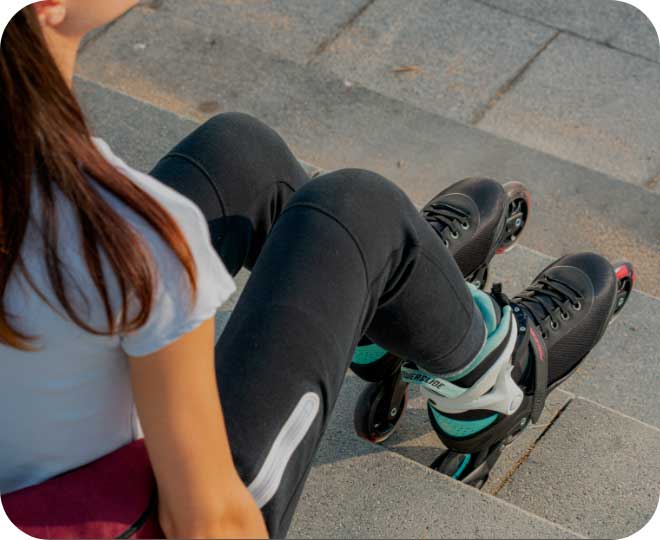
(589, 104)
(461, 52)
(615, 23)
(384, 495)
(331, 126)
(594, 471)
(639, 36)
(293, 30)
(349, 471)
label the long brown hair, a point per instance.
(46, 144)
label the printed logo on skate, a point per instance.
(434, 384)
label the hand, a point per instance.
(233, 515)
(243, 518)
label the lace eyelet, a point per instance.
(577, 307)
(446, 243)
(554, 325)
(544, 335)
(565, 316)
(465, 225)
(454, 235)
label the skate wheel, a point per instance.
(459, 467)
(625, 280)
(379, 409)
(518, 212)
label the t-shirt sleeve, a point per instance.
(174, 313)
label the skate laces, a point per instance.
(449, 217)
(547, 295)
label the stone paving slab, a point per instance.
(462, 52)
(293, 30)
(616, 23)
(594, 471)
(589, 104)
(640, 36)
(383, 495)
(333, 126)
(623, 371)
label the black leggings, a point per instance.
(332, 259)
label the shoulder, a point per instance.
(168, 320)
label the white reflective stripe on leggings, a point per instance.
(267, 482)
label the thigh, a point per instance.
(241, 174)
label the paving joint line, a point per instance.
(326, 43)
(619, 413)
(462, 485)
(525, 456)
(480, 113)
(568, 32)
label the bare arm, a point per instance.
(200, 492)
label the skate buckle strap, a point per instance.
(494, 391)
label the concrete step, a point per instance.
(196, 71)
(579, 467)
(142, 133)
(346, 468)
(360, 490)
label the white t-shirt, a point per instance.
(71, 403)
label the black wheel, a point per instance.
(625, 277)
(471, 469)
(518, 212)
(460, 467)
(379, 409)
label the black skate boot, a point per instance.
(535, 341)
(475, 218)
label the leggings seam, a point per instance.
(275, 184)
(204, 172)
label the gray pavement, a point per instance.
(616, 24)
(291, 29)
(545, 74)
(383, 495)
(462, 52)
(589, 104)
(326, 124)
(595, 472)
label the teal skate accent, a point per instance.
(462, 428)
(460, 470)
(496, 334)
(486, 306)
(368, 354)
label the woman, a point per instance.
(110, 280)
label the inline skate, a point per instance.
(476, 219)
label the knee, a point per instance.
(232, 129)
(354, 194)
